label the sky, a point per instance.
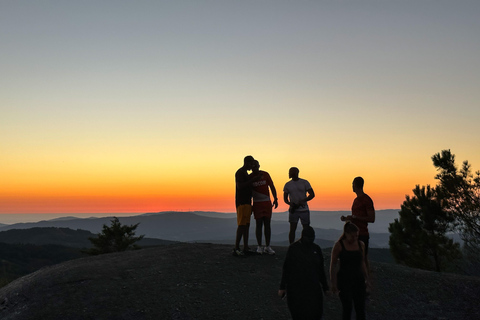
(147, 106)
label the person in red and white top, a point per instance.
(262, 207)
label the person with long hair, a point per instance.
(351, 280)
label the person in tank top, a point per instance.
(348, 272)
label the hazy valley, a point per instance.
(219, 227)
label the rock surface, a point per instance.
(204, 281)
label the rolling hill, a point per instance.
(204, 281)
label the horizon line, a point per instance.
(163, 211)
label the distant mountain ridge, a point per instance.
(220, 227)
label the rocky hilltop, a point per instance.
(204, 281)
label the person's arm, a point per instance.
(370, 215)
(285, 198)
(333, 267)
(322, 276)
(251, 178)
(364, 266)
(310, 196)
(285, 273)
(274, 194)
(369, 218)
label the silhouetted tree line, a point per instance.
(20, 259)
(48, 235)
(419, 238)
(23, 251)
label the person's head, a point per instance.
(248, 162)
(256, 166)
(308, 235)
(357, 184)
(293, 173)
(350, 232)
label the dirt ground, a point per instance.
(204, 281)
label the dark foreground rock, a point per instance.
(204, 281)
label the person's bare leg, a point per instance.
(238, 238)
(291, 234)
(268, 231)
(245, 237)
(258, 231)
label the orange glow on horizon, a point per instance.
(196, 186)
(81, 204)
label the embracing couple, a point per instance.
(256, 185)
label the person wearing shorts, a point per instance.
(243, 203)
(296, 193)
(262, 207)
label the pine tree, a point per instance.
(460, 191)
(418, 239)
(114, 238)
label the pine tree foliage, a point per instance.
(114, 238)
(460, 191)
(418, 239)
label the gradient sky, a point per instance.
(144, 106)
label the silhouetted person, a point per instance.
(296, 193)
(352, 276)
(303, 278)
(363, 212)
(262, 207)
(243, 203)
